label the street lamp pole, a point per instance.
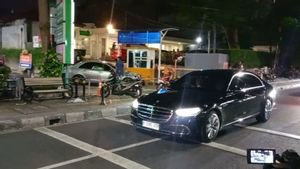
(112, 11)
(163, 33)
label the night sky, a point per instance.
(15, 9)
(143, 12)
(128, 14)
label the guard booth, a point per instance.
(141, 60)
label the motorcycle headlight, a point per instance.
(273, 93)
(135, 104)
(186, 112)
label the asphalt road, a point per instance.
(113, 143)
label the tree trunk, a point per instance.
(215, 38)
(234, 38)
(44, 23)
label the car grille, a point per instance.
(153, 113)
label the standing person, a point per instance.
(4, 71)
(119, 67)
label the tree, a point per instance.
(44, 23)
(232, 17)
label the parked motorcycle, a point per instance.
(164, 83)
(121, 87)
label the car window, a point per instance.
(88, 65)
(202, 81)
(251, 81)
(107, 67)
(237, 83)
(245, 81)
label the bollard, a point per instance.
(76, 81)
(99, 93)
(83, 89)
(102, 96)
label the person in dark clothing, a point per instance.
(119, 67)
(4, 71)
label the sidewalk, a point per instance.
(17, 115)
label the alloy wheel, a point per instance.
(268, 108)
(213, 125)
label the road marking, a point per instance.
(215, 145)
(135, 145)
(278, 133)
(119, 120)
(226, 148)
(109, 156)
(69, 162)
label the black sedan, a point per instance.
(201, 103)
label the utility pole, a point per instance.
(44, 23)
(215, 38)
(208, 42)
(163, 33)
(112, 11)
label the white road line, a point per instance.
(118, 120)
(69, 162)
(135, 145)
(293, 136)
(215, 145)
(109, 156)
(226, 148)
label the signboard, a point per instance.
(37, 42)
(60, 50)
(26, 61)
(126, 37)
(60, 33)
(64, 32)
(60, 17)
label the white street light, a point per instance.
(110, 29)
(198, 39)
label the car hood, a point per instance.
(174, 99)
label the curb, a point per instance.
(62, 118)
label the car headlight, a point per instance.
(273, 93)
(185, 112)
(135, 104)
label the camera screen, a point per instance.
(261, 156)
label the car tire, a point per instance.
(136, 92)
(80, 77)
(210, 128)
(265, 113)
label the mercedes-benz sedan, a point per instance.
(201, 103)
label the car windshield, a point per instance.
(209, 81)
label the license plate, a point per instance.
(151, 125)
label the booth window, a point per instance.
(140, 59)
(130, 59)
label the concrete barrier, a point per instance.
(74, 117)
(32, 122)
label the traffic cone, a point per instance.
(99, 88)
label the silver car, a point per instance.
(94, 71)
